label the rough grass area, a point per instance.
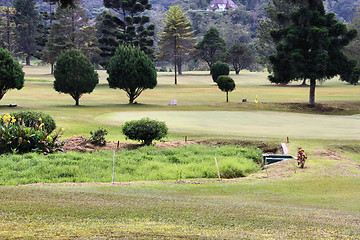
(274, 209)
(143, 164)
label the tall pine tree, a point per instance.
(7, 27)
(177, 39)
(312, 48)
(27, 22)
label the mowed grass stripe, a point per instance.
(260, 124)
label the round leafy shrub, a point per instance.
(16, 137)
(145, 130)
(35, 119)
(218, 69)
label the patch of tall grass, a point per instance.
(146, 163)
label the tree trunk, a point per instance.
(8, 27)
(227, 96)
(304, 82)
(179, 62)
(179, 67)
(237, 71)
(77, 102)
(131, 98)
(312, 92)
(175, 60)
(28, 60)
(52, 68)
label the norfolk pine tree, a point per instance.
(177, 39)
(74, 74)
(131, 70)
(311, 47)
(132, 27)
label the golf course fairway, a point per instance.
(258, 124)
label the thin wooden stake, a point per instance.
(217, 167)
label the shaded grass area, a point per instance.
(146, 163)
(287, 209)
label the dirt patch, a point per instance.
(329, 154)
(355, 148)
(81, 144)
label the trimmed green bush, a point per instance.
(226, 84)
(131, 70)
(218, 69)
(34, 119)
(145, 130)
(74, 74)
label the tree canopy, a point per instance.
(11, 74)
(131, 70)
(240, 56)
(177, 39)
(72, 30)
(311, 48)
(212, 47)
(74, 74)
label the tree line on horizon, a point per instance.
(298, 40)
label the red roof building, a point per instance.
(221, 5)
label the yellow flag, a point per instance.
(256, 99)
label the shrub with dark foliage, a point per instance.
(226, 84)
(11, 74)
(218, 69)
(132, 71)
(74, 74)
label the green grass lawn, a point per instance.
(197, 95)
(251, 209)
(281, 202)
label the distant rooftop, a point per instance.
(221, 5)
